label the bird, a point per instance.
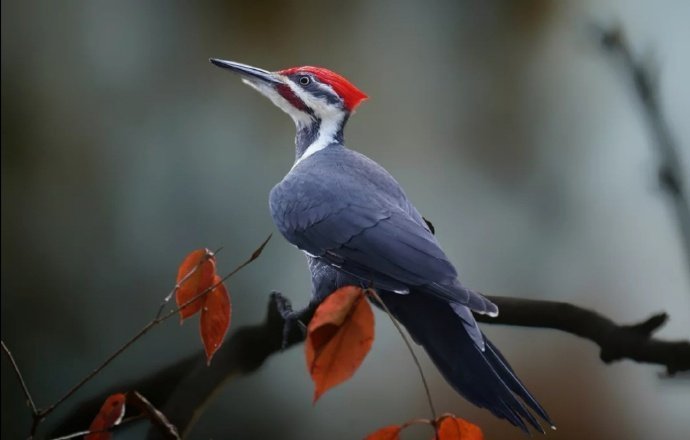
(356, 226)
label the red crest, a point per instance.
(350, 94)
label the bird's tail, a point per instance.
(482, 377)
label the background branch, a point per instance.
(670, 172)
(182, 390)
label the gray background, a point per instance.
(123, 149)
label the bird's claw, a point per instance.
(291, 318)
(283, 304)
(292, 322)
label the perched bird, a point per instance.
(357, 227)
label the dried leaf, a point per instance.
(153, 414)
(110, 414)
(455, 428)
(215, 318)
(387, 433)
(338, 338)
(194, 276)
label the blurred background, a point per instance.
(123, 149)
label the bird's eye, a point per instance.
(304, 80)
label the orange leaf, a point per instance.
(338, 338)
(215, 318)
(455, 428)
(194, 276)
(110, 414)
(387, 433)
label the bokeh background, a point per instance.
(123, 149)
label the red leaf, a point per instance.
(338, 338)
(194, 276)
(386, 433)
(215, 318)
(455, 428)
(110, 414)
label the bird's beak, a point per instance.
(252, 74)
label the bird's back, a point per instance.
(329, 181)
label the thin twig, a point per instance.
(670, 172)
(376, 296)
(417, 422)
(20, 378)
(145, 330)
(87, 432)
(100, 367)
(155, 416)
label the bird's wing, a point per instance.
(369, 241)
(372, 239)
(391, 246)
(348, 211)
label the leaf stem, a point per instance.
(375, 295)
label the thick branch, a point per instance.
(617, 342)
(182, 390)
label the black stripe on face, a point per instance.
(318, 92)
(287, 93)
(317, 89)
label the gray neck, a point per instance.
(316, 131)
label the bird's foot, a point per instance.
(293, 319)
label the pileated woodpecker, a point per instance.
(357, 227)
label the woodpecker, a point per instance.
(356, 226)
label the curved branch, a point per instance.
(182, 390)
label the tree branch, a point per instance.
(617, 342)
(182, 390)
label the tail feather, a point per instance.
(470, 325)
(508, 375)
(483, 377)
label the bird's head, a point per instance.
(305, 93)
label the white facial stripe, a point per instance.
(331, 117)
(321, 107)
(298, 116)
